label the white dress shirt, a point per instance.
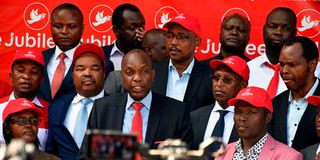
(261, 75)
(116, 57)
(295, 112)
(177, 86)
(42, 132)
(75, 108)
(214, 117)
(55, 60)
(130, 112)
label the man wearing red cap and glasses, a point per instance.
(252, 113)
(26, 76)
(182, 77)
(68, 115)
(230, 76)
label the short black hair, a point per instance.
(310, 49)
(69, 6)
(117, 15)
(287, 10)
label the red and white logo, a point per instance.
(100, 18)
(235, 10)
(308, 23)
(164, 15)
(36, 16)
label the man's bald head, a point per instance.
(154, 44)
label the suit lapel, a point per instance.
(194, 82)
(234, 135)
(161, 78)
(283, 119)
(268, 149)
(203, 122)
(46, 83)
(154, 118)
(119, 111)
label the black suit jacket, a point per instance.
(306, 133)
(199, 120)
(66, 87)
(167, 118)
(310, 152)
(199, 88)
(109, 64)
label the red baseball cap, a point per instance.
(255, 96)
(28, 54)
(89, 48)
(235, 63)
(18, 105)
(187, 21)
(314, 100)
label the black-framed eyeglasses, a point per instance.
(21, 121)
(179, 37)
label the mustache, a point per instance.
(174, 48)
(88, 79)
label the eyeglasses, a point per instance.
(179, 37)
(225, 80)
(21, 121)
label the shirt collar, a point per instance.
(187, 71)
(217, 108)
(310, 93)
(36, 101)
(264, 59)
(146, 101)
(115, 49)
(69, 53)
(256, 147)
(79, 97)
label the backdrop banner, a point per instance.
(27, 23)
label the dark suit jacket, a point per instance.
(66, 87)
(167, 118)
(199, 120)
(310, 152)
(60, 142)
(306, 133)
(199, 88)
(67, 83)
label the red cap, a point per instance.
(18, 105)
(255, 96)
(187, 21)
(235, 63)
(29, 54)
(314, 100)
(91, 48)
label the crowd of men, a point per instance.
(150, 84)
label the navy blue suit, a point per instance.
(60, 142)
(67, 84)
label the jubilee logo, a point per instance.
(36, 16)
(100, 18)
(164, 15)
(308, 23)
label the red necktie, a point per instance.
(58, 75)
(136, 127)
(273, 85)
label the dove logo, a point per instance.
(235, 10)
(36, 16)
(308, 23)
(164, 15)
(100, 18)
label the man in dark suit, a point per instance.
(293, 118)
(66, 29)
(230, 76)
(182, 77)
(312, 152)
(161, 117)
(69, 114)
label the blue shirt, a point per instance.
(177, 86)
(129, 113)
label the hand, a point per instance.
(140, 33)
